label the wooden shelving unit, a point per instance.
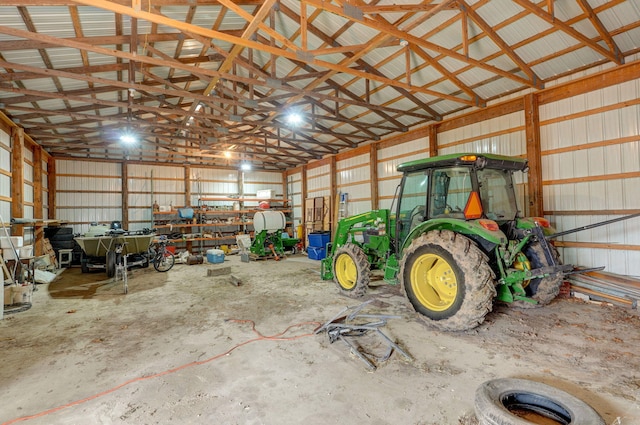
(223, 231)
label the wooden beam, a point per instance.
(433, 140)
(333, 199)
(532, 131)
(597, 23)
(508, 50)
(187, 185)
(37, 200)
(125, 194)
(564, 27)
(52, 187)
(17, 178)
(373, 173)
(487, 113)
(303, 197)
(390, 30)
(597, 245)
(608, 78)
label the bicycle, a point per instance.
(162, 259)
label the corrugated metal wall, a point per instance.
(591, 173)
(153, 183)
(294, 188)
(28, 189)
(207, 182)
(318, 181)
(504, 135)
(253, 181)
(388, 160)
(5, 176)
(354, 179)
(87, 192)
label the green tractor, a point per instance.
(455, 242)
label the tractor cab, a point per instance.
(456, 187)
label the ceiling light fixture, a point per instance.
(294, 119)
(128, 138)
(245, 166)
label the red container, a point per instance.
(171, 249)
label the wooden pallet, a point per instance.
(48, 250)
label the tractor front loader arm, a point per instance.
(373, 221)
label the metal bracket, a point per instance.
(349, 323)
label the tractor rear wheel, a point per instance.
(448, 280)
(544, 289)
(351, 270)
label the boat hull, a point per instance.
(98, 246)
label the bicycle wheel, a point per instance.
(163, 261)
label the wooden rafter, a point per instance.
(562, 26)
(351, 78)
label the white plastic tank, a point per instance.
(269, 221)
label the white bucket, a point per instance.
(269, 221)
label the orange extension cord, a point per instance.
(276, 337)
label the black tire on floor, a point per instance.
(498, 401)
(49, 232)
(351, 270)
(447, 279)
(61, 237)
(63, 244)
(110, 265)
(545, 289)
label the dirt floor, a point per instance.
(179, 348)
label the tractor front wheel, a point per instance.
(351, 270)
(448, 280)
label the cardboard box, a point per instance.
(266, 194)
(18, 294)
(22, 294)
(8, 296)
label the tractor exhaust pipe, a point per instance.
(591, 226)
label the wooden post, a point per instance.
(303, 207)
(17, 178)
(373, 172)
(125, 195)
(334, 199)
(37, 200)
(51, 186)
(433, 140)
(187, 185)
(532, 130)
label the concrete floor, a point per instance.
(179, 348)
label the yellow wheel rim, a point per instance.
(346, 272)
(522, 263)
(434, 282)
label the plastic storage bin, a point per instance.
(319, 239)
(315, 253)
(215, 256)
